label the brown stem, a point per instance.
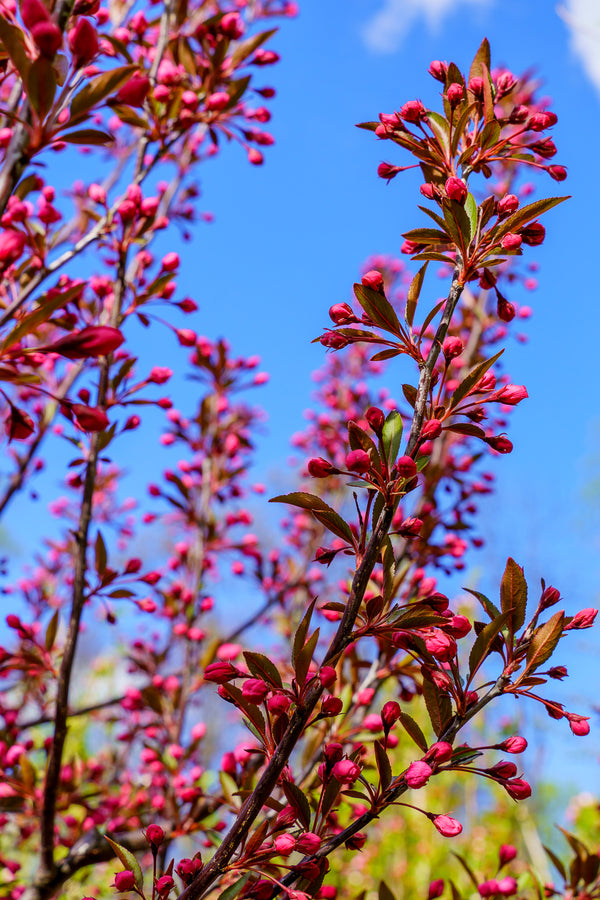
(342, 638)
(429, 364)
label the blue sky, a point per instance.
(289, 238)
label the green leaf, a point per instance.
(302, 631)
(544, 641)
(321, 511)
(472, 212)
(438, 706)
(472, 379)
(245, 48)
(129, 861)
(482, 57)
(391, 436)
(384, 892)
(386, 354)
(51, 632)
(41, 86)
(88, 136)
(304, 658)
(13, 41)
(432, 314)
(556, 861)
(360, 440)
(236, 888)
(262, 667)
(414, 292)
(467, 869)
(378, 308)
(414, 731)
(513, 595)
(98, 89)
(47, 306)
(488, 100)
(484, 641)
(297, 799)
(441, 129)
(460, 124)
(427, 236)
(383, 765)
(526, 214)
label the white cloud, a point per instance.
(385, 31)
(583, 19)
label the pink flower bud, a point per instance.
(518, 789)
(514, 744)
(475, 85)
(508, 205)
(436, 889)
(500, 444)
(438, 70)
(134, 91)
(488, 888)
(511, 241)
(387, 170)
(83, 42)
(583, 619)
(406, 467)
(232, 25)
(345, 771)
(279, 704)
(221, 672)
(506, 310)
(217, 101)
(327, 676)
(431, 429)
(452, 347)
(155, 835)
(255, 157)
(308, 843)
(375, 417)
(90, 418)
(507, 886)
(358, 461)
(164, 885)
(413, 111)
(124, 881)
(447, 826)
(94, 341)
(411, 527)
(47, 37)
(12, 244)
(284, 844)
(418, 774)
(579, 725)
(507, 853)
(533, 235)
(542, 120)
(255, 690)
(342, 314)
(33, 12)
(170, 262)
(441, 752)
(456, 189)
(332, 706)
(441, 646)
(558, 173)
(390, 714)
(373, 279)
(320, 468)
(455, 93)
(503, 769)
(511, 394)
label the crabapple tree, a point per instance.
(234, 761)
